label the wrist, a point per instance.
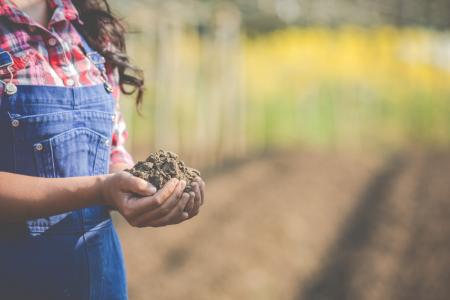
(101, 191)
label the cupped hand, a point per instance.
(141, 205)
(196, 197)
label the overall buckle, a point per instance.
(6, 61)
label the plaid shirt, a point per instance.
(53, 56)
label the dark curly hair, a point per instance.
(101, 28)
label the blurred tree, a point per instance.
(262, 15)
(268, 15)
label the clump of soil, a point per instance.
(162, 166)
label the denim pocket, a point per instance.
(76, 152)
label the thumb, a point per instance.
(139, 186)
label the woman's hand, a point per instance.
(196, 198)
(141, 205)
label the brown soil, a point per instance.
(162, 166)
(305, 226)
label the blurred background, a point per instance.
(322, 129)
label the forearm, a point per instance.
(24, 197)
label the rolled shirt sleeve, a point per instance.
(119, 154)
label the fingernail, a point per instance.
(152, 189)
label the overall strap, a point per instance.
(96, 58)
(93, 55)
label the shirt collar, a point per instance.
(63, 11)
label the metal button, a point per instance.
(38, 147)
(107, 142)
(108, 87)
(10, 88)
(15, 123)
(52, 42)
(113, 118)
(70, 82)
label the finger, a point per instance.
(174, 198)
(202, 189)
(176, 215)
(165, 208)
(194, 211)
(179, 213)
(198, 198)
(189, 205)
(196, 208)
(184, 216)
(143, 205)
(198, 193)
(138, 185)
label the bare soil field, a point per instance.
(310, 226)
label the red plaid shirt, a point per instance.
(54, 56)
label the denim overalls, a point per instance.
(59, 132)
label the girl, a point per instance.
(62, 66)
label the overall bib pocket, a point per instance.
(65, 143)
(59, 155)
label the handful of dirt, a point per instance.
(162, 166)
